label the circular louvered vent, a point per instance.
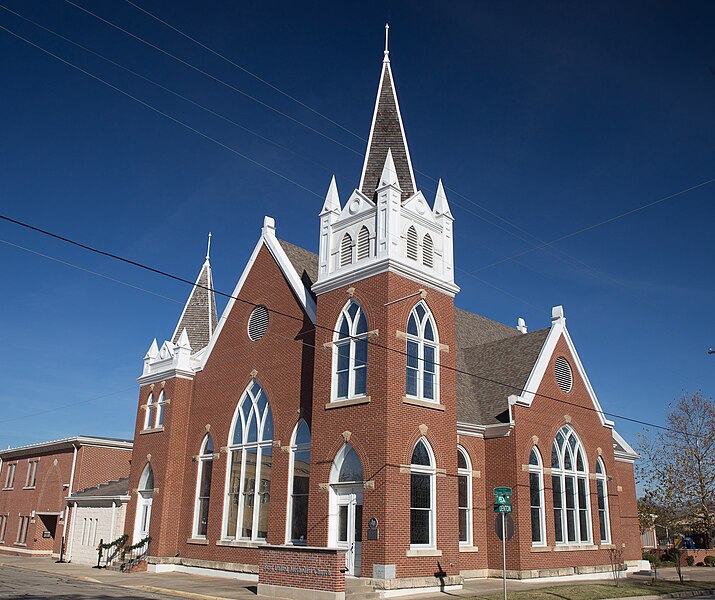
(258, 323)
(564, 377)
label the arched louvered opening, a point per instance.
(363, 243)
(427, 251)
(412, 243)
(346, 250)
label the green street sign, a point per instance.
(503, 500)
(502, 491)
(502, 508)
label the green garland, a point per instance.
(120, 541)
(139, 544)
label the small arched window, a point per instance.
(350, 353)
(464, 483)
(536, 493)
(363, 243)
(427, 251)
(160, 403)
(422, 354)
(346, 250)
(602, 493)
(150, 412)
(298, 481)
(412, 245)
(205, 461)
(422, 496)
(249, 482)
(569, 477)
(146, 482)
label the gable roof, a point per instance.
(304, 262)
(112, 489)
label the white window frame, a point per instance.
(467, 473)
(538, 470)
(3, 527)
(149, 412)
(603, 478)
(160, 408)
(562, 473)
(351, 340)
(202, 459)
(238, 417)
(430, 470)
(10, 476)
(421, 342)
(294, 447)
(31, 478)
(22, 528)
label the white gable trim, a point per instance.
(558, 329)
(268, 238)
(628, 454)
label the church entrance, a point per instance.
(345, 525)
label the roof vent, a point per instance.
(564, 376)
(258, 323)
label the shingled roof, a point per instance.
(199, 316)
(113, 489)
(304, 262)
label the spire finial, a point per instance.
(208, 247)
(387, 45)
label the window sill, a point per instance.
(6, 489)
(423, 552)
(240, 543)
(423, 403)
(154, 430)
(347, 402)
(469, 549)
(19, 544)
(606, 546)
(542, 549)
(197, 541)
(29, 487)
(575, 548)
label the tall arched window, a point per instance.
(464, 482)
(570, 486)
(427, 251)
(150, 412)
(363, 243)
(422, 496)
(298, 483)
(412, 245)
(205, 461)
(536, 492)
(602, 492)
(249, 482)
(160, 403)
(350, 354)
(422, 354)
(346, 250)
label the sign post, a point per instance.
(502, 505)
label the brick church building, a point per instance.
(342, 400)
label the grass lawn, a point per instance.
(600, 591)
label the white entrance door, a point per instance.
(141, 528)
(348, 527)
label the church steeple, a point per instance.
(387, 133)
(198, 319)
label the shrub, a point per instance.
(666, 563)
(700, 564)
(710, 561)
(690, 560)
(651, 557)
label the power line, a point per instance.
(371, 341)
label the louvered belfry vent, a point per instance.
(412, 246)
(346, 250)
(363, 244)
(258, 323)
(564, 376)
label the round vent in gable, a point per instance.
(564, 376)
(258, 323)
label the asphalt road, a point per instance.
(20, 583)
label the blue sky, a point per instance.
(542, 118)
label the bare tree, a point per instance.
(678, 466)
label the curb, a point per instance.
(690, 594)
(171, 592)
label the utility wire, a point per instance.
(370, 341)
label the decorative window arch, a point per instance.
(422, 377)
(346, 250)
(363, 243)
(347, 467)
(250, 466)
(604, 524)
(150, 412)
(205, 461)
(298, 481)
(569, 476)
(412, 243)
(350, 353)
(422, 496)
(146, 481)
(464, 479)
(536, 493)
(427, 251)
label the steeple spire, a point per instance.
(208, 248)
(387, 132)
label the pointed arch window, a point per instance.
(569, 477)
(363, 243)
(412, 243)
(160, 403)
(150, 412)
(346, 250)
(298, 484)
(422, 496)
(427, 251)
(347, 467)
(350, 353)
(604, 525)
(464, 484)
(249, 479)
(205, 461)
(422, 354)
(536, 493)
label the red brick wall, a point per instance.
(306, 568)
(97, 465)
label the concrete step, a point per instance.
(371, 595)
(357, 581)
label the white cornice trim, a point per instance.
(485, 431)
(628, 454)
(164, 375)
(66, 443)
(80, 499)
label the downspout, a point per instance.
(71, 535)
(111, 527)
(68, 513)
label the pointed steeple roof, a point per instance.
(332, 199)
(387, 132)
(441, 206)
(199, 319)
